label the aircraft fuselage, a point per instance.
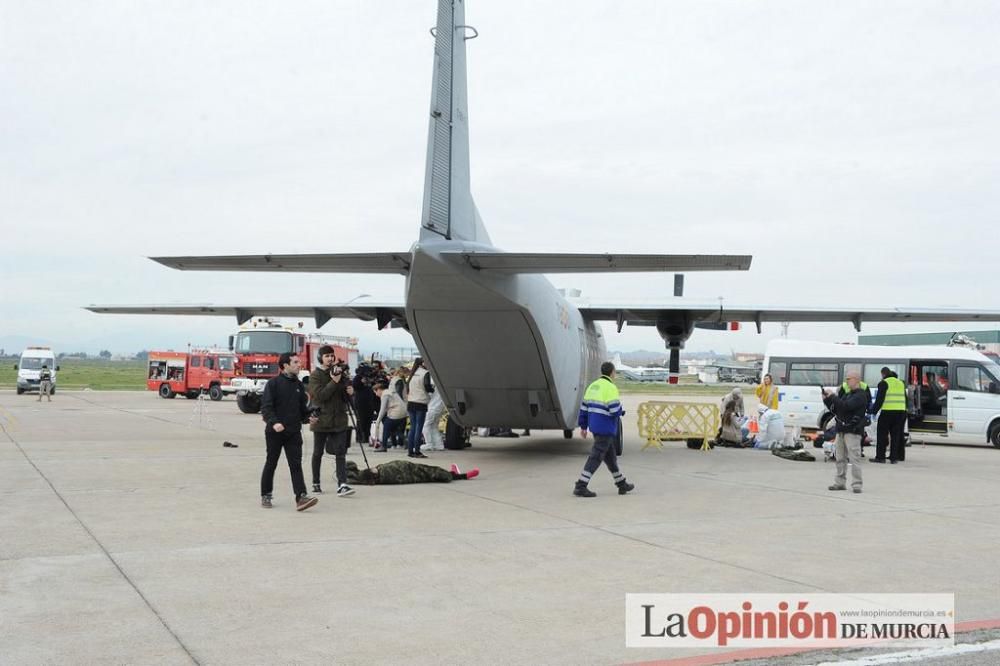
(504, 349)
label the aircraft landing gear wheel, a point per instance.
(455, 436)
(567, 434)
(166, 392)
(215, 392)
(249, 403)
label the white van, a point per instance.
(30, 367)
(953, 393)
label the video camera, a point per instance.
(372, 375)
(340, 368)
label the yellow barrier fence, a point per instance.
(661, 420)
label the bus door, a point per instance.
(929, 397)
(974, 400)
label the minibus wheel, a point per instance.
(995, 434)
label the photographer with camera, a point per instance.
(851, 409)
(330, 390)
(365, 401)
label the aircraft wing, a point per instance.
(714, 316)
(543, 262)
(364, 262)
(386, 314)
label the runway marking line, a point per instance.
(770, 653)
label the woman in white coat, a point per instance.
(416, 406)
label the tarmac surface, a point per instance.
(129, 534)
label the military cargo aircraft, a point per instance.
(535, 350)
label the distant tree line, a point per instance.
(104, 355)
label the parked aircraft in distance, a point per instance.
(638, 373)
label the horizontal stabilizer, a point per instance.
(386, 314)
(366, 262)
(542, 262)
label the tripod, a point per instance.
(354, 425)
(199, 412)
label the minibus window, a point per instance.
(813, 374)
(873, 372)
(970, 378)
(777, 372)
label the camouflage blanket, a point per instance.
(793, 454)
(730, 445)
(398, 472)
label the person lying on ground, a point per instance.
(397, 472)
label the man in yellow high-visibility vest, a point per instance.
(601, 413)
(890, 400)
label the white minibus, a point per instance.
(953, 393)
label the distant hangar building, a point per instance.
(990, 340)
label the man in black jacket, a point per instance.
(284, 408)
(365, 402)
(850, 410)
(330, 390)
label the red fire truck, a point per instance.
(189, 373)
(261, 341)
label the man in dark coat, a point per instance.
(330, 389)
(365, 401)
(284, 409)
(850, 410)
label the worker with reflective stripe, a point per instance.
(845, 389)
(601, 413)
(891, 401)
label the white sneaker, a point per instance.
(344, 491)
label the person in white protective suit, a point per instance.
(435, 408)
(772, 429)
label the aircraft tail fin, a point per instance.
(448, 208)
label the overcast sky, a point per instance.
(852, 147)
